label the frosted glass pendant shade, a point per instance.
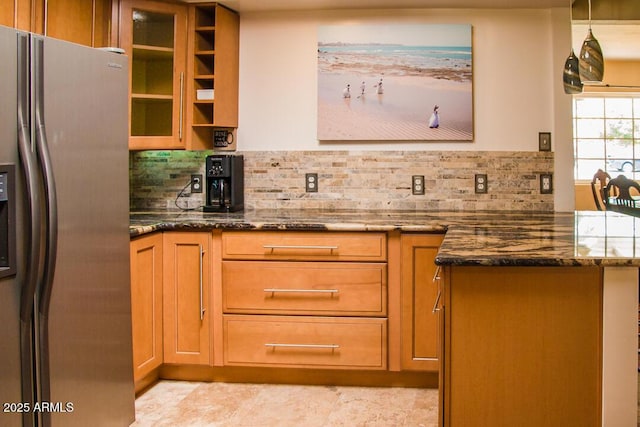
(591, 60)
(571, 75)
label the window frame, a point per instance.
(608, 141)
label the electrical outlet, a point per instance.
(311, 182)
(480, 183)
(546, 183)
(417, 185)
(196, 183)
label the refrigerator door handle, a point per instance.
(50, 220)
(50, 201)
(30, 171)
(33, 229)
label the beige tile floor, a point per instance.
(182, 403)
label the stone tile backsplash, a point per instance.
(372, 180)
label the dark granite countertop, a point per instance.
(472, 238)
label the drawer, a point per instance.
(316, 288)
(293, 245)
(311, 342)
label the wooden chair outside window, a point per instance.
(617, 195)
(600, 180)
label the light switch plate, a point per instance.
(544, 141)
(481, 185)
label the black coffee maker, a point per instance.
(225, 183)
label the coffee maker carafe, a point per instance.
(225, 183)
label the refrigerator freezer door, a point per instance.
(85, 116)
(10, 391)
(89, 322)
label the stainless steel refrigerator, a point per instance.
(65, 309)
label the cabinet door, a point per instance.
(86, 22)
(523, 346)
(186, 297)
(420, 287)
(20, 14)
(153, 35)
(146, 304)
(227, 66)
(304, 246)
(304, 288)
(83, 22)
(305, 342)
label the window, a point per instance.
(606, 135)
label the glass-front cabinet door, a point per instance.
(153, 35)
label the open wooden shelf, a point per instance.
(213, 64)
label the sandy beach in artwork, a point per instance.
(403, 109)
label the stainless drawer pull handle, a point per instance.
(435, 304)
(309, 291)
(181, 112)
(272, 247)
(201, 285)
(436, 276)
(330, 346)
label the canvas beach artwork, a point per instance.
(400, 82)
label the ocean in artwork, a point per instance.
(389, 83)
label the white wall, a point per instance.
(564, 192)
(517, 69)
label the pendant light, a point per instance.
(571, 71)
(591, 60)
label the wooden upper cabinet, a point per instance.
(7, 15)
(213, 65)
(22, 14)
(154, 36)
(86, 22)
(83, 22)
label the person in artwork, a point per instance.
(434, 120)
(379, 89)
(346, 93)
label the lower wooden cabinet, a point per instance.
(186, 291)
(308, 288)
(312, 300)
(329, 290)
(305, 342)
(304, 246)
(523, 346)
(146, 304)
(420, 286)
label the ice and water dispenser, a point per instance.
(7, 221)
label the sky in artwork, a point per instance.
(408, 35)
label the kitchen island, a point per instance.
(501, 260)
